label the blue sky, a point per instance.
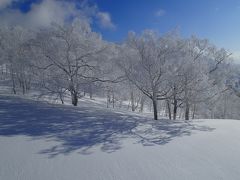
(217, 20)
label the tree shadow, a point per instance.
(82, 128)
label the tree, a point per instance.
(201, 61)
(73, 51)
(145, 63)
(15, 56)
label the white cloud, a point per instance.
(160, 12)
(42, 14)
(51, 11)
(105, 20)
(48, 11)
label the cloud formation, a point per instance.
(160, 13)
(48, 11)
(105, 20)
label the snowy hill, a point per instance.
(56, 142)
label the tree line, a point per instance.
(165, 73)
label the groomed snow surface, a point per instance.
(39, 141)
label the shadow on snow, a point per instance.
(82, 128)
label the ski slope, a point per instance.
(39, 141)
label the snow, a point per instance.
(90, 142)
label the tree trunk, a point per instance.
(142, 104)
(169, 109)
(90, 91)
(225, 107)
(13, 81)
(108, 98)
(113, 99)
(186, 100)
(74, 98)
(28, 84)
(174, 108)
(61, 98)
(132, 101)
(23, 88)
(155, 112)
(194, 110)
(13, 88)
(13, 85)
(187, 111)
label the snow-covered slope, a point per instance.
(39, 141)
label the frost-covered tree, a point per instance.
(15, 56)
(73, 52)
(179, 77)
(144, 59)
(201, 60)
